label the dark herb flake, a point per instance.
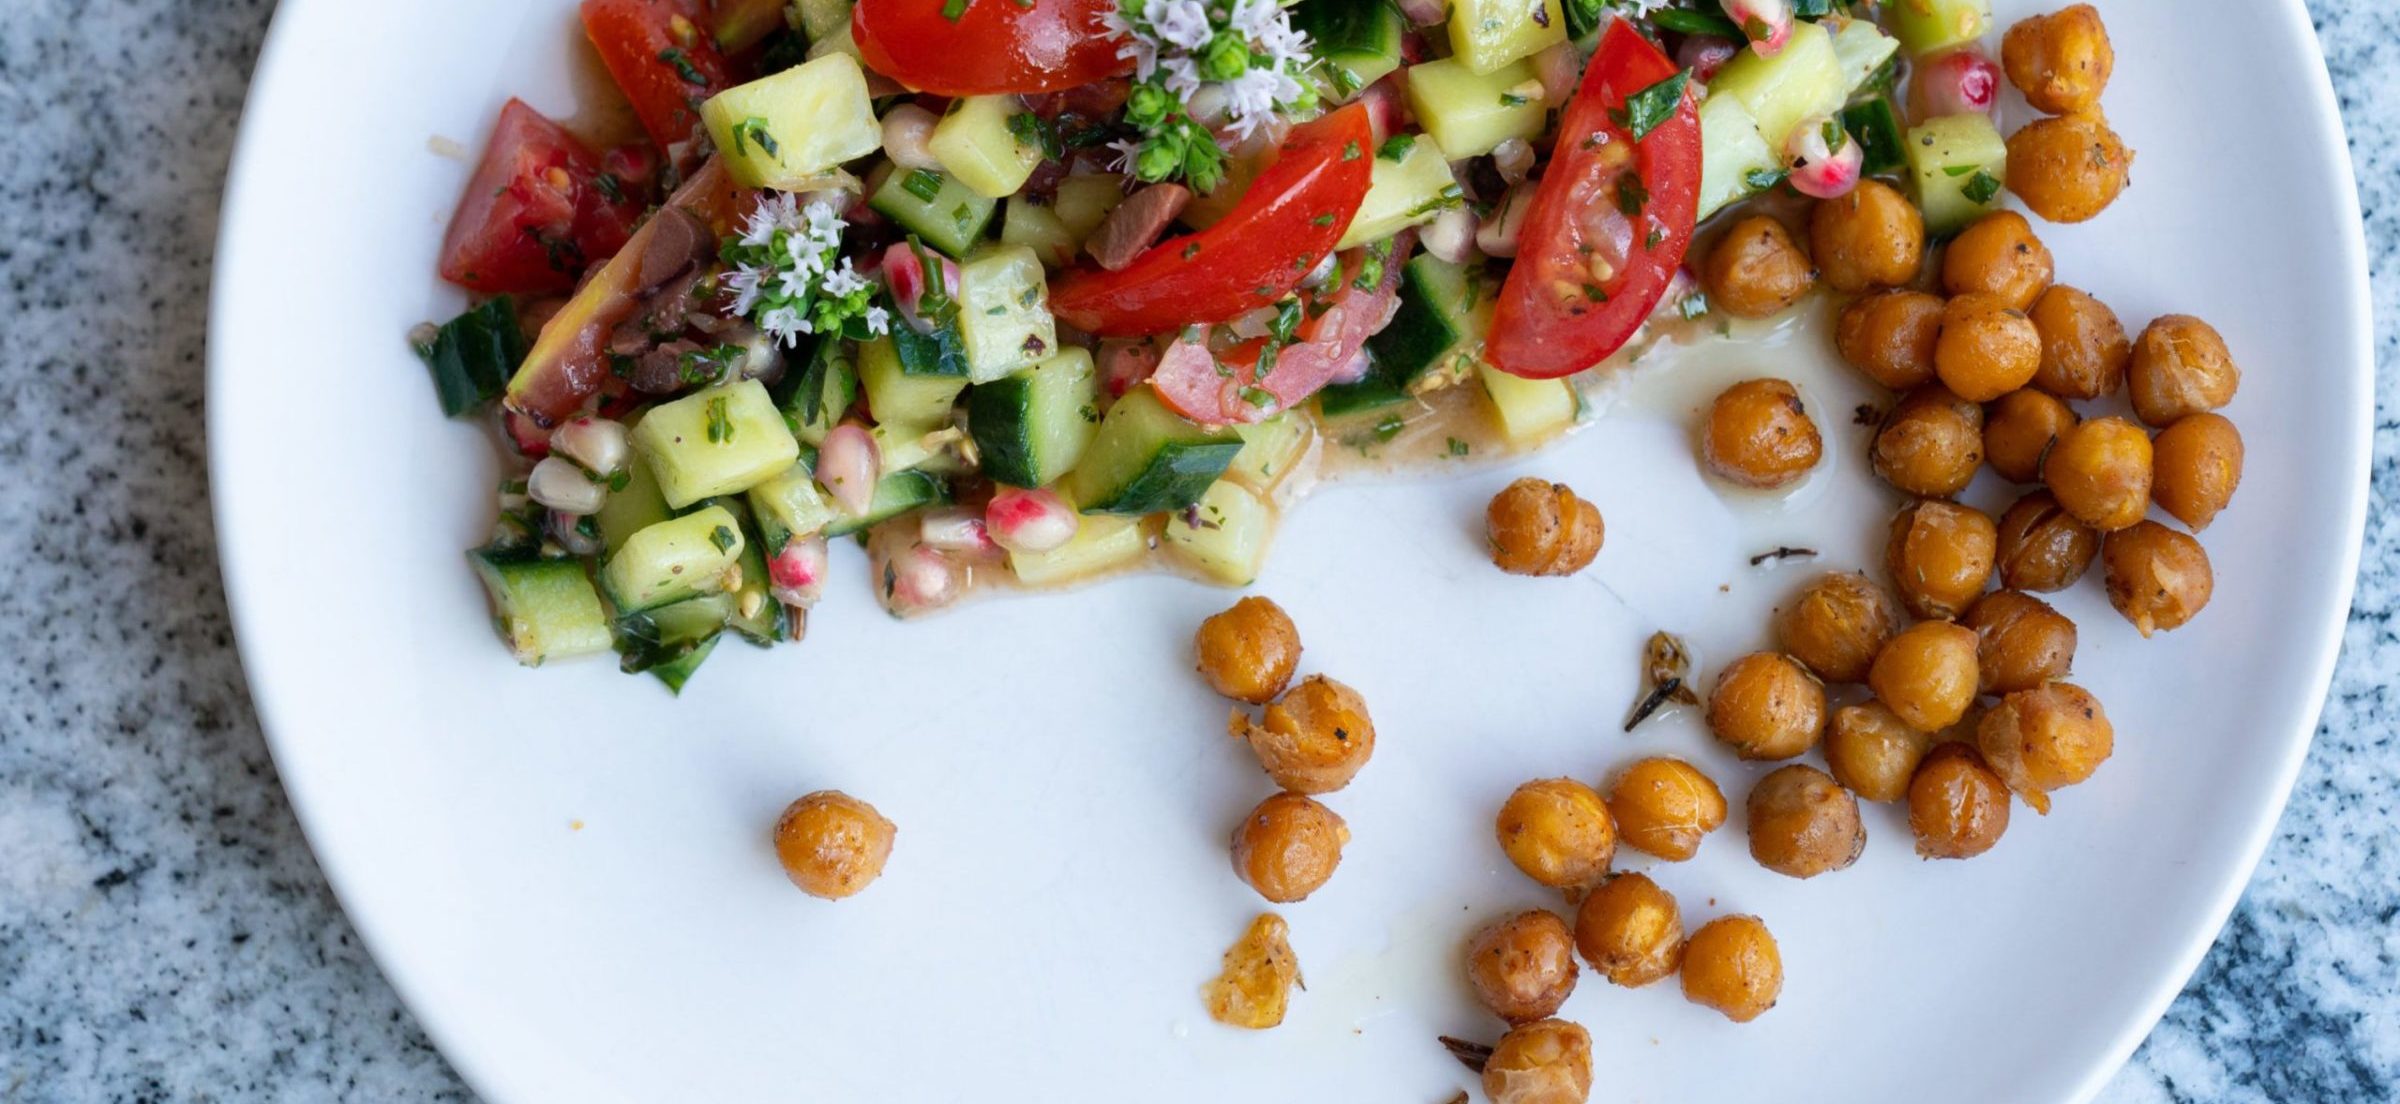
(1646, 110)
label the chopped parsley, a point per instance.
(1760, 180)
(1259, 398)
(1981, 187)
(1389, 427)
(722, 536)
(1396, 147)
(1646, 110)
(720, 426)
(1459, 448)
(683, 66)
(953, 10)
(754, 130)
(1632, 195)
(1350, 151)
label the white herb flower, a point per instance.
(1183, 23)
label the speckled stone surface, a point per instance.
(164, 933)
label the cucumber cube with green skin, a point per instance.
(1271, 449)
(630, 509)
(790, 507)
(1802, 81)
(1223, 536)
(1032, 427)
(1488, 34)
(544, 609)
(975, 144)
(895, 494)
(1410, 191)
(679, 670)
(750, 610)
(1038, 228)
(787, 130)
(1004, 312)
(814, 396)
(939, 210)
(1957, 163)
(1875, 125)
(1928, 25)
(1443, 316)
(1147, 459)
(722, 440)
(1101, 544)
(895, 395)
(1470, 113)
(1530, 411)
(673, 560)
(1735, 161)
(1359, 37)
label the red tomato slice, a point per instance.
(1223, 389)
(1588, 273)
(536, 213)
(662, 59)
(991, 47)
(1288, 220)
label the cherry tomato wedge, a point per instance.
(1284, 225)
(540, 209)
(989, 46)
(1609, 223)
(662, 60)
(1221, 389)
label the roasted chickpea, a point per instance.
(1930, 444)
(1557, 831)
(2180, 366)
(2060, 61)
(1803, 823)
(1836, 624)
(1664, 807)
(832, 844)
(2021, 642)
(1957, 807)
(1926, 675)
(1890, 337)
(2068, 169)
(1314, 740)
(2198, 463)
(2042, 547)
(1523, 967)
(2084, 347)
(1767, 707)
(2044, 739)
(1940, 557)
(1731, 964)
(1538, 528)
(1872, 752)
(1630, 930)
(1987, 348)
(1998, 255)
(2100, 471)
(1288, 846)
(2158, 578)
(1759, 435)
(2019, 429)
(1544, 1062)
(1756, 270)
(1873, 237)
(1247, 652)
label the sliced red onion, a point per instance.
(1824, 159)
(955, 529)
(1766, 23)
(796, 576)
(1125, 364)
(1514, 159)
(568, 531)
(1560, 69)
(848, 465)
(921, 579)
(1451, 235)
(1257, 323)
(1959, 82)
(562, 485)
(1497, 235)
(908, 137)
(1030, 520)
(1705, 54)
(596, 443)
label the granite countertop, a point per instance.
(164, 933)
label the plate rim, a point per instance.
(2356, 312)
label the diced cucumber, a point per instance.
(1147, 459)
(1443, 316)
(902, 446)
(936, 352)
(750, 610)
(822, 18)
(1861, 48)
(1530, 411)
(1101, 544)
(895, 494)
(722, 440)
(1488, 34)
(1359, 39)
(679, 670)
(1928, 25)
(674, 560)
(472, 355)
(1083, 202)
(787, 130)
(667, 638)
(1875, 125)
(1038, 228)
(895, 396)
(814, 396)
(1469, 113)
(939, 210)
(974, 142)
(1033, 426)
(1408, 191)
(1223, 536)
(1802, 81)
(545, 609)
(1958, 163)
(1270, 450)
(1004, 312)
(1735, 161)
(630, 509)
(790, 506)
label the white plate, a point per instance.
(1062, 784)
